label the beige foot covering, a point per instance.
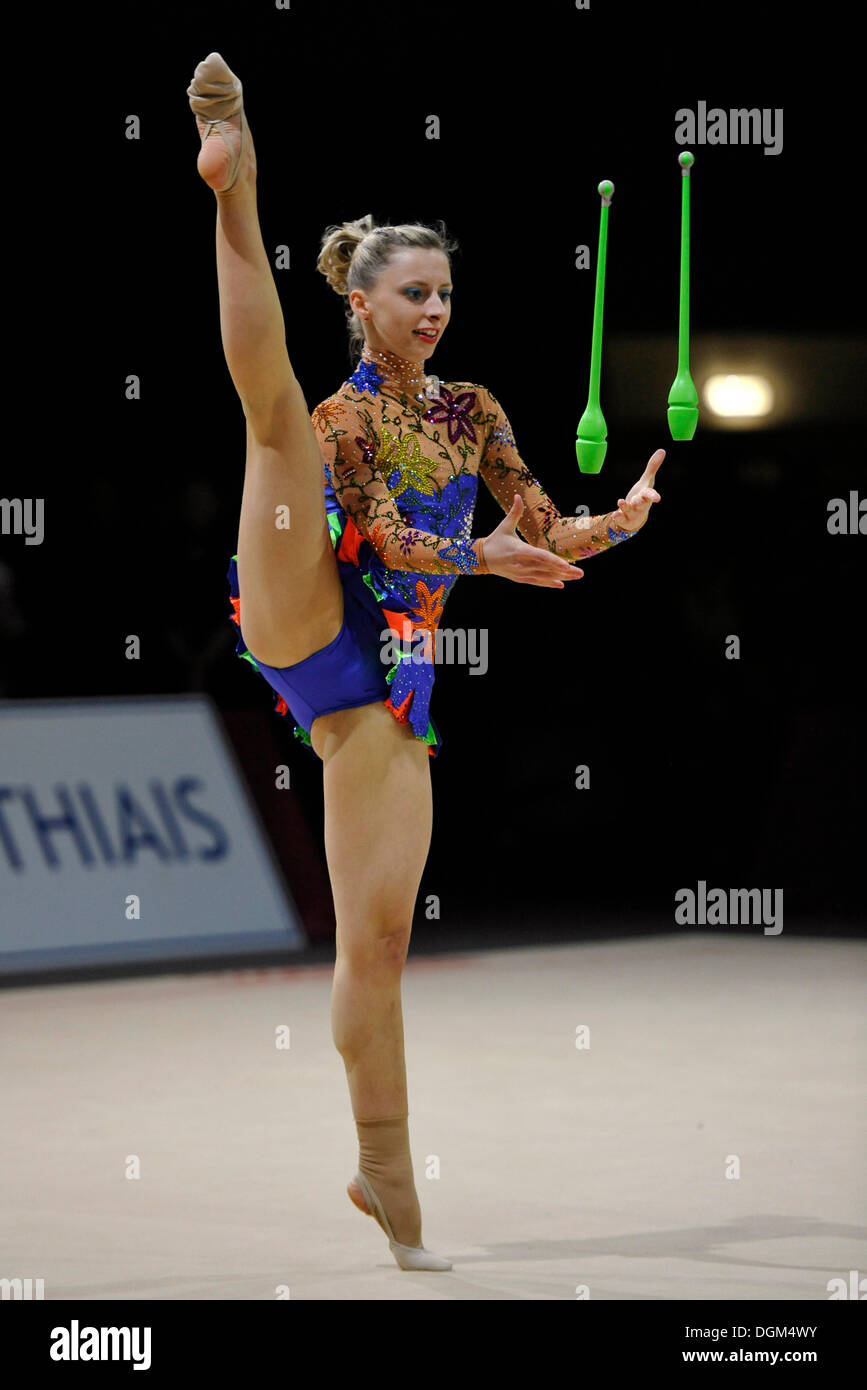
(215, 94)
(385, 1160)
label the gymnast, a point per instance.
(380, 484)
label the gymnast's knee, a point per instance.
(373, 948)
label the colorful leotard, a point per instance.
(402, 455)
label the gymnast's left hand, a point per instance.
(632, 510)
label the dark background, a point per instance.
(745, 773)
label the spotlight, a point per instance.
(736, 397)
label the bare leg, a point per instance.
(378, 821)
(290, 595)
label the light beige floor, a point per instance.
(559, 1167)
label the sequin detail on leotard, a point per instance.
(401, 470)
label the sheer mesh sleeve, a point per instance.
(541, 524)
(348, 449)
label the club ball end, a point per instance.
(682, 421)
(590, 454)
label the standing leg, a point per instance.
(378, 822)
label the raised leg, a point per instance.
(290, 595)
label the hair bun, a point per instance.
(339, 244)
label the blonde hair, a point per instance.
(354, 255)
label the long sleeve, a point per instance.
(541, 524)
(349, 452)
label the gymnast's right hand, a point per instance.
(507, 555)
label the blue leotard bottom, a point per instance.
(348, 670)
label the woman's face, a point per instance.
(413, 292)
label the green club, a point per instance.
(683, 397)
(592, 441)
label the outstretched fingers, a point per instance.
(652, 465)
(549, 571)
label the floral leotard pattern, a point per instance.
(401, 468)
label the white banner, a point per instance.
(127, 834)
